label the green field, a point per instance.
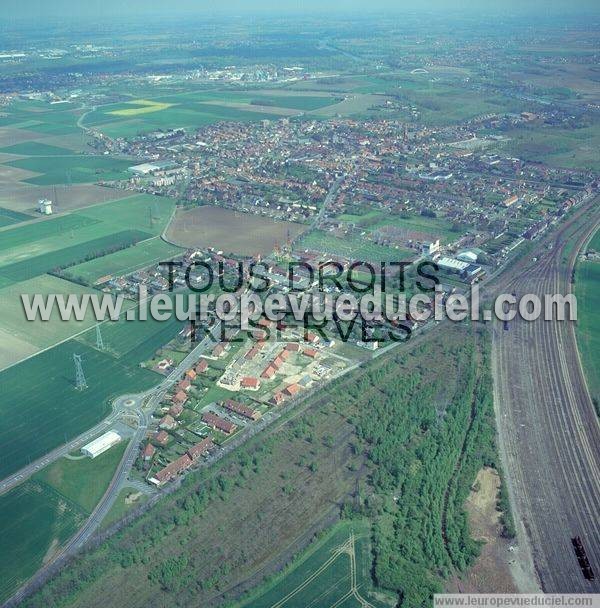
(434, 227)
(83, 481)
(46, 410)
(352, 247)
(41, 264)
(126, 261)
(39, 334)
(75, 169)
(8, 217)
(33, 519)
(75, 237)
(35, 148)
(570, 148)
(138, 340)
(196, 108)
(296, 102)
(587, 290)
(40, 117)
(334, 571)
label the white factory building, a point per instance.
(101, 444)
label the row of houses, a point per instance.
(182, 463)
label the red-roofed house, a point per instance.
(162, 437)
(250, 383)
(202, 366)
(167, 422)
(171, 470)
(216, 422)
(310, 352)
(201, 448)
(176, 409)
(179, 397)
(278, 398)
(241, 409)
(292, 389)
(191, 374)
(148, 452)
(184, 385)
(293, 347)
(268, 372)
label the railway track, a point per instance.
(549, 431)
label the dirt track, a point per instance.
(549, 431)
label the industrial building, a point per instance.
(101, 444)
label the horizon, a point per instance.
(32, 10)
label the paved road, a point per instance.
(549, 431)
(8, 483)
(150, 400)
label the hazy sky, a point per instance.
(81, 8)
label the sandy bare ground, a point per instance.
(229, 231)
(491, 573)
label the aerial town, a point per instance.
(155, 156)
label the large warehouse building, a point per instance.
(101, 444)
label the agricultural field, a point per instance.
(82, 480)
(34, 521)
(126, 261)
(587, 290)
(38, 335)
(569, 148)
(9, 217)
(195, 108)
(74, 237)
(35, 148)
(72, 169)
(229, 231)
(22, 197)
(51, 410)
(134, 341)
(334, 571)
(352, 247)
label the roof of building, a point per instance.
(218, 422)
(201, 448)
(102, 443)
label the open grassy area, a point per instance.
(353, 247)
(34, 521)
(134, 340)
(416, 227)
(141, 106)
(83, 481)
(67, 256)
(50, 409)
(587, 290)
